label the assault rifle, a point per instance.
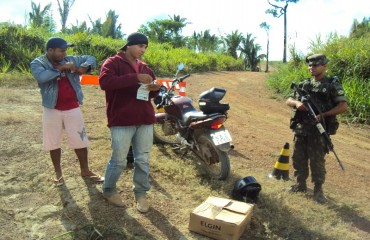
(318, 124)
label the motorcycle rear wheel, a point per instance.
(160, 137)
(216, 162)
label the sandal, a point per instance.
(95, 178)
(58, 182)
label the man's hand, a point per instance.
(153, 86)
(144, 78)
(67, 66)
(291, 102)
(70, 66)
(73, 69)
(300, 106)
(82, 70)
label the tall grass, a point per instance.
(358, 94)
(281, 79)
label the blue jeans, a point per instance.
(141, 139)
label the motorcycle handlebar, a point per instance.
(174, 83)
(183, 77)
(178, 80)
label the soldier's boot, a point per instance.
(299, 187)
(318, 194)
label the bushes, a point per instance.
(163, 58)
(19, 46)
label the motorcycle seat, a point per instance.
(196, 116)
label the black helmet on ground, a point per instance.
(246, 189)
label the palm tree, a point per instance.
(208, 42)
(41, 18)
(255, 58)
(109, 28)
(192, 42)
(249, 51)
(232, 42)
(181, 24)
(64, 12)
(166, 30)
(97, 26)
(246, 47)
(79, 28)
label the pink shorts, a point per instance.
(71, 121)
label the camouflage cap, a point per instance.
(317, 59)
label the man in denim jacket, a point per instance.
(58, 78)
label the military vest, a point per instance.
(321, 96)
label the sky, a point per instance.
(306, 20)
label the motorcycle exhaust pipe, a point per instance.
(232, 146)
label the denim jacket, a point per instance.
(47, 77)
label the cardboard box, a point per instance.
(221, 218)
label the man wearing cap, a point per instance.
(58, 78)
(328, 100)
(129, 85)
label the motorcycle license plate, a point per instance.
(221, 137)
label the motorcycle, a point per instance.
(180, 124)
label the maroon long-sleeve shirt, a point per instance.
(118, 78)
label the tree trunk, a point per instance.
(285, 33)
(267, 55)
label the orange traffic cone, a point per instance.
(182, 90)
(281, 169)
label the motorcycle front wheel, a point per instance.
(216, 162)
(160, 135)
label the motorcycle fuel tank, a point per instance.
(179, 106)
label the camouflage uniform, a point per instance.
(309, 145)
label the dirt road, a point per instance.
(32, 208)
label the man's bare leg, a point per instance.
(82, 156)
(55, 156)
(84, 165)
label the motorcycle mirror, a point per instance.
(180, 66)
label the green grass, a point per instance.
(177, 182)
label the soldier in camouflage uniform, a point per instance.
(327, 98)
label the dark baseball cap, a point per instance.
(317, 59)
(56, 42)
(135, 39)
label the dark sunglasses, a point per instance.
(314, 65)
